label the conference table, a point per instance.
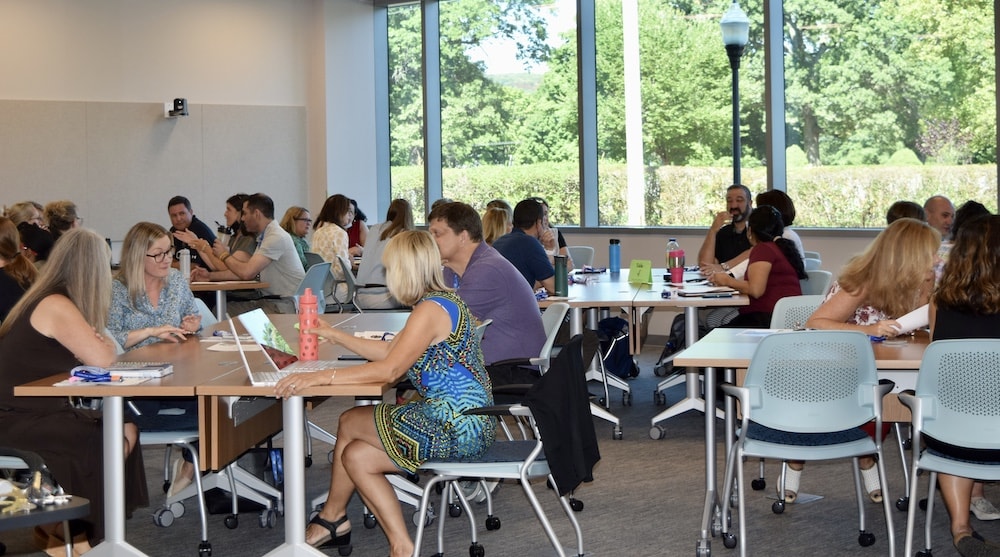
(732, 349)
(210, 375)
(220, 287)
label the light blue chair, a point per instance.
(955, 402)
(818, 283)
(792, 312)
(808, 382)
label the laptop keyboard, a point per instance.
(313, 365)
(268, 376)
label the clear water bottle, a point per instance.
(675, 261)
(615, 256)
(184, 256)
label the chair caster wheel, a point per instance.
(924, 553)
(476, 550)
(903, 503)
(729, 540)
(866, 539)
(576, 505)
(454, 510)
(492, 523)
(663, 370)
(163, 518)
(616, 433)
(627, 399)
(778, 507)
(309, 461)
(660, 399)
(603, 402)
(759, 484)
(267, 518)
(204, 549)
(231, 521)
(656, 432)
(370, 521)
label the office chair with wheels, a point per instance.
(954, 403)
(799, 384)
(564, 450)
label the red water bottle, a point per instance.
(308, 319)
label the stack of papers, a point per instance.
(702, 289)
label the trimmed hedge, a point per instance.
(825, 197)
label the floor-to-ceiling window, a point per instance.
(879, 101)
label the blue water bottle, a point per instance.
(615, 256)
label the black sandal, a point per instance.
(341, 542)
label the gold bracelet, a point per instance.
(224, 256)
(332, 375)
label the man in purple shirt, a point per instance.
(489, 285)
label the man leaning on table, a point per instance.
(491, 287)
(275, 259)
(523, 248)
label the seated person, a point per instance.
(523, 247)
(780, 201)
(151, 302)
(296, 222)
(891, 278)
(774, 271)
(438, 351)
(496, 223)
(182, 219)
(241, 243)
(967, 305)
(330, 239)
(37, 243)
(17, 273)
(357, 231)
(904, 209)
(371, 271)
(726, 248)
(551, 238)
(58, 324)
(61, 217)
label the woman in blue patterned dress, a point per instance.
(439, 352)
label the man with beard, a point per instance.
(726, 245)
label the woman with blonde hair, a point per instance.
(27, 211)
(296, 222)
(17, 272)
(372, 293)
(58, 324)
(439, 352)
(891, 278)
(496, 223)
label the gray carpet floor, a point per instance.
(645, 500)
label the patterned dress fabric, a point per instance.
(450, 378)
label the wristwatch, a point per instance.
(725, 266)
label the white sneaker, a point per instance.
(983, 509)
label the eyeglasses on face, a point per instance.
(162, 256)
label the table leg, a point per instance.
(710, 513)
(575, 321)
(114, 543)
(220, 305)
(692, 400)
(293, 412)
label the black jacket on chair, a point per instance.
(560, 404)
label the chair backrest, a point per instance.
(315, 280)
(312, 258)
(811, 264)
(481, 329)
(207, 317)
(792, 312)
(581, 255)
(812, 381)
(818, 283)
(552, 319)
(352, 287)
(958, 383)
(811, 255)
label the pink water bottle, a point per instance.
(675, 261)
(308, 319)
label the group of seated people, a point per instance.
(73, 310)
(927, 255)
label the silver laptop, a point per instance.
(278, 353)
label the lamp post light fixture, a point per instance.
(735, 35)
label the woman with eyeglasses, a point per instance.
(58, 324)
(151, 302)
(296, 222)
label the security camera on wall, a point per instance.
(178, 108)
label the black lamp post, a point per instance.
(735, 35)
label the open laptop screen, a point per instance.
(263, 331)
